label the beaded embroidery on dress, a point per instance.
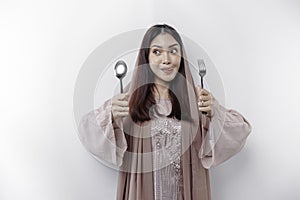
(166, 145)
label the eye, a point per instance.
(173, 51)
(156, 52)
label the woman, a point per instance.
(156, 134)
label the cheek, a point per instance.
(153, 68)
(153, 59)
(177, 60)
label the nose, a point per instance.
(166, 58)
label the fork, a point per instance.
(202, 69)
(202, 72)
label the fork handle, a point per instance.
(204, 113)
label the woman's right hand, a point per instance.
(120, 106)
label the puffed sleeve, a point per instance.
(102, 137)
(224, 135)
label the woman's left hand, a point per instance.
(205, 101)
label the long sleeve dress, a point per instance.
(225, 135)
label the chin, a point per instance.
(168, 79)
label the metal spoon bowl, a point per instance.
(121, 70)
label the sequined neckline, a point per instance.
(158, 99)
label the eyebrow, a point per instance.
(155, 45)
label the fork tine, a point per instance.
(202, 68)
(200, 62)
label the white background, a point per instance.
(255, 46)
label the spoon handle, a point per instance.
(121, 85)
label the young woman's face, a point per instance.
(164, 58)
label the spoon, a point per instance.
(120, 70)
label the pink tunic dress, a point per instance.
(226, 134)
